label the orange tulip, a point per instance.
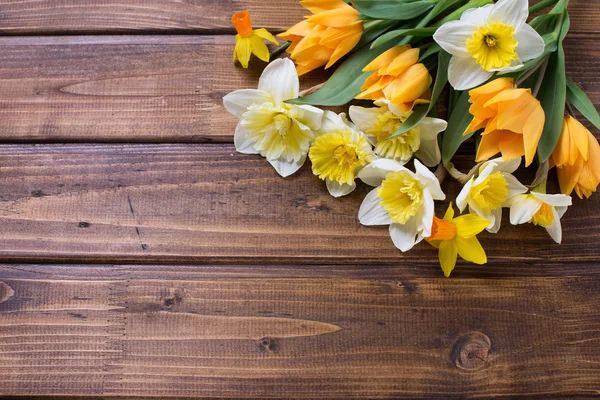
(577, 159)
(399, 78)
(323, 38)
(513, 120)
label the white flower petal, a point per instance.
(308, 115)
(371, 211)
(237, 102)
(331, 122)
(280, 80)
(465, 73)
(555, 228)
(337, 189)
(429, 152)
(485, 171)
(453, 36)
(406, 236)
(523, 208)
(428, 213)
(496, 219)
(430, 181)
(510, 12)
(477, 16)
(561, 211)
(374, 173)
(556, 200)
(365, 118)
(286, 168)
(531, 45)
(242, 143)
(506, 166)
(514, 186)
(462, 198)
(431, 127)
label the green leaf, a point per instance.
(582, 103)
(346, 82)
(402, 32)
(421, 111)
(373, 30)
(458, 123)
(553, 95)
(398, 10)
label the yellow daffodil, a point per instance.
(403, 199)
(577, 159)
(382, 121)
(399, 78)
(323, 38)
(339, 153)
(269, 126)
(513, 120)
(540, 209)
(250, 41)
(458, 237)
(489, 39)
(488, 193)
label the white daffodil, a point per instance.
(381, 122)
(339, 153)
(493, 38)
(541, 209)
(280, 132)
(404, 200)
(491, 190)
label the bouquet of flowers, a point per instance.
(507, 91)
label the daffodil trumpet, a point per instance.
(250, 41)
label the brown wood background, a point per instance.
(141, 256)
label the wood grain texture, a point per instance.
(141, 16)
(326, 332)
(25, 17)
(165, 89)
(187, 203)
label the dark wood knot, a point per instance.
(471, 351)
(267, 344)
(6, 292)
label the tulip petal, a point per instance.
(448, 255)
(280, 80)
(371, 212)
(238, 102)
(465, 73)
(469, 249)
(337, 189)
(531, 45)
(453, 37)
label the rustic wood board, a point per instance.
(150, 89)
(298, 332)
(259, 286)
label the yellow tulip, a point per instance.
(458, 236)
(250, 41)
(399, 78)
(326, 36)
(577, 158)
(513, 120)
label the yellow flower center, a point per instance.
(544, 217)
(490, 194)
(337, 155)
(275, 133)
(400, 148)
(401, 195)
(442, 230)
(493, 46)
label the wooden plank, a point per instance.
(201, 203)
(149, 88)
(144, 16)
(341, 332)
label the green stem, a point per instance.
(532, 71)
(540, 80)
(541, 5)
(570, 108)
(278, 51)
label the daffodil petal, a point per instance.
(510, 12)
(470, 225)
(308, 115)
(555, 200)
(462, 198)
(406, 236)
(531, 45)
(470, 249)
(286, 168)
(365, 118)
(514, 186)
(496, 220)
(337, 189)
(371, 212)
(431, 127)
(242, 143)
(428, 212)
(523, 208)
(448, 255)
(237, 102)
(477, 16)
(555, 228)
(243, 49)
(266, 35)
(429, 152)
(280, 80)
(465, 73)
(374, 173)
(430, 180)
(453, 37)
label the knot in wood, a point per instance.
(471, 351)
(6, 292)
(267, 344)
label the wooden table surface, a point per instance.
(141, 256)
